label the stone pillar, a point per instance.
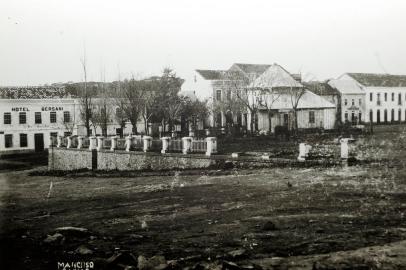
(147, 143)
(80, 142)
(307, 151)
(302, 152)
(113, 143)
(92, 142)
(211, 146)
(58, 141)
(187, 145)
(344, 149)
(128, 142)
(165, 144)
(69, 142)
(100, 143)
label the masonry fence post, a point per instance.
(211, 145)
(186, 145)
(100, 143)
(59, 141)
(80, 142)
(113, 143)
(344, 151)
(165, 144)
(147, 143)
(128, 142)
(92, 143)
(308, 147)
(69, 142)
(302, 152)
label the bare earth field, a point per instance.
(282, 218)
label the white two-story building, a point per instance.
(376, 98)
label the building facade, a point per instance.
(28, 124)
(30, 116)
(225, 90)
(377, 98)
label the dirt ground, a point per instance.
(281, 218)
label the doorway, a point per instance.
(39, 142)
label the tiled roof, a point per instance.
(32, 92)
(379, 80)
(321, 88)
(275, 76)
(346, 86)
(208, 74)
(257, 69)
(308, 100)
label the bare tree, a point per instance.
(132, 105)
(241, 85)
(296, 92)
(85, 98)
(102, 110)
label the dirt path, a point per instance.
(265, 213)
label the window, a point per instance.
(378, 97)
(52, 117)
(38, 118)
(393, 96)
(399, 99)
(22, 116)
(392, 115)
(8, 140)
(53, 138)
(23, 140)
(360, 102)
(378, 116)
(7, 118)
(359, 117)
(352, 102)
(371, 116)
(346, 117)
(218, 95)
(228, 94)
(400, 115)
(311, 117)
(353, 118)
(66, 117)
(385, 116)
(370, 96)
(386, 96)
(345, 102)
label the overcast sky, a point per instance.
(43, 41)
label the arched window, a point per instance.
(378, 116)
(392, 115)
(385, 116)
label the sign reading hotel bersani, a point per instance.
(51, 108)
(44, 109)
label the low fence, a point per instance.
(139, 143)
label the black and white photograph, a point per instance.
(202, 135)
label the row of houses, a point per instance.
(245, 97)
(277, 95)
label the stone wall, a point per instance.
(69, 159)
(122, 161)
